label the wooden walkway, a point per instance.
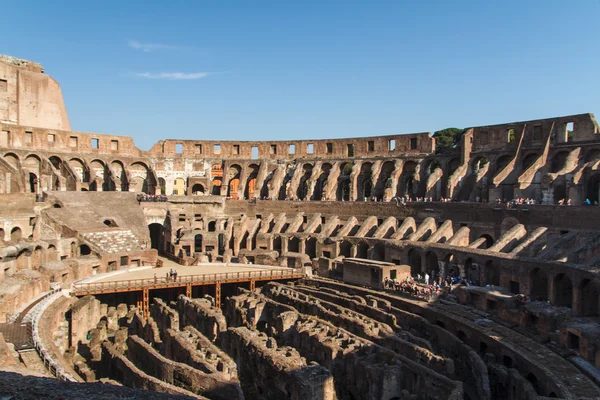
(187, 281)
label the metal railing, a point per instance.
(35, 316)
(148, 283)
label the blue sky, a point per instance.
(278, 70)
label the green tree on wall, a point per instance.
(447, 138)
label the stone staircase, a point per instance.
(113, 241)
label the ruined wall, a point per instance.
(30, 98)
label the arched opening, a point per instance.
(311, 247)
(492, 274)
(51, 254)
(343, 189)
(588, 298)
(321, 182)
(198, 243)
(362, 250)
(212, 226)
(472, 271)
(534, 382)
(56, 205)
(216, 186)
(250, 189)
(378, 252)
(277, 243)
(16, 234)
(538, 285)
(234, 181)
(197, 189)
(294, 244)
(489, 241)
(345, 249)
(365, 183)
(593, 189)
(162, 185)
(110, 223)
(156, 232)
(529, 160)
(84, 250)
(414, 260)
(563, 291)
(33, 183)
(591, 155)
(502, 162)
(121, 181)
(407, 186)
(2, 235)
(302, 191)
(431, 261)
(558, 161)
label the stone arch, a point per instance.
(321, 181)
(453, 166)
(538, 283)
(489, 241)
(2, 235)
(33, 183)
(51, 254)
(591, 155)
(250, 188)
(378, 252)
(156, 236)
(407, 184)
(362, 250)
(414, 260)
(528, 160)
(432, 266)
(141, 177)
(23, 259)
(198, 189)
(562, 291)
(492, 274)
(502, 162)
(558, 161)
(593, 188)
(162, 185)
(589, 292)
(311, 247)
(303, 187)
(233, 181)
(56, 161)
(120, 175)
(84, 250)
(343, 189)
(294, 244)
(507, 224)
(80, 169)
(364, 182)
(36, 258)
(382, 189)
(346, 249)
(12, 159)
(16, 234)
(198, 243)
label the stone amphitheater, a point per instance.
(362, 268)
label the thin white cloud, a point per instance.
(173, 76)
(148, 47)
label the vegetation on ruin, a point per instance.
(447, 138)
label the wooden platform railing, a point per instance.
(183, 280)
